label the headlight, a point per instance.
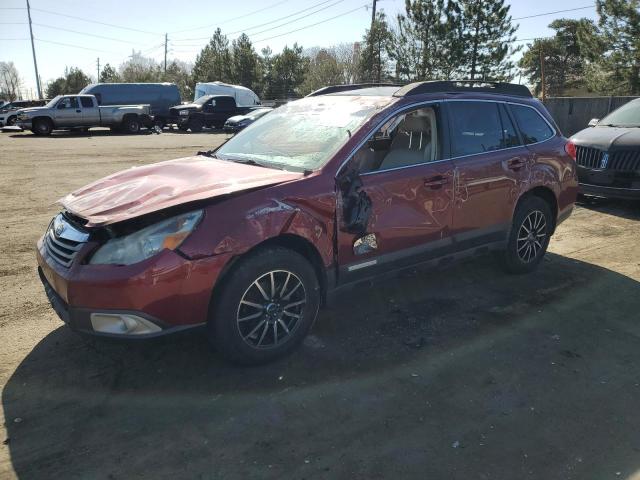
(184, 112)
(147, 242)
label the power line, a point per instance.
(312, 24)
(74, 46)
(94, 21)
(270, 22)
(553, 13)
(296, 20)
(233, 19)
(82, 33)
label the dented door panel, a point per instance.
(410, 207)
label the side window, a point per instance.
(410, 138)
(509, 134)
(86, 102)
(476, 127)
(532, 126)
(65, 103)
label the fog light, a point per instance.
(122, 324)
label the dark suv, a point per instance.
(348, 183)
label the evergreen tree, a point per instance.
(616, 50)
(428, 40)
(178, 73)
(246, 64)
(288, 73)
(214, 63)
(564, 60)
(374, 56)
(109, 75)
(73, 81)
(488, 36)
(266, 67)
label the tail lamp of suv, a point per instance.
(570, 148)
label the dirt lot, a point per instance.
(461, 373)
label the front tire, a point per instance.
(195, 125)
(42, 127)
(266, 306)
(529, 236)
(11, 121)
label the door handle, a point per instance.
(78, 111)
(436, 182)
(516, 163)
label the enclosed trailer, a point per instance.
(244, 97)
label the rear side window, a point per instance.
(86, 102)
(476, 127)
(531, 124)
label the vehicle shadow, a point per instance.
(169, 408)
(629, 209)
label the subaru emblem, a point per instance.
(605, 160)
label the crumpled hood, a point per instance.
(141, 190)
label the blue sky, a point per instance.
(189, 23)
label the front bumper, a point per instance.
(180, 120)
(609, 183)
(25, 124)
(169, 291)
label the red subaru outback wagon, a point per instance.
(252, 238)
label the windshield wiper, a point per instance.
(208, 153)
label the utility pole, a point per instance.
(98, 61)
(33, 50)
(373, 13)
(542, 85)
(166, 40)
(373, 20)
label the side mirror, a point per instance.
(593, 122)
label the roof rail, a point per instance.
(353, 86)
(451, 86)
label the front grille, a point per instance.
(621, 161)
(625, 161)
(589, 157)
(63, 241)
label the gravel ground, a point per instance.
(459, 373)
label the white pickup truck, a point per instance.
(70, 112)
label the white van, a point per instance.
(244, 97)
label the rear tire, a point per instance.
(265, 307)
(131, 125)
(529, 236)
(42, 127)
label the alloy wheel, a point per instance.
(271, 309)
(531, 236)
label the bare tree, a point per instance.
(10, 81)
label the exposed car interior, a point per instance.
(411, 138)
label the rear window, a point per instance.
(533, 127)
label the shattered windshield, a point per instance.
(302, 135)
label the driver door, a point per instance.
(396, 197)
(68, 112)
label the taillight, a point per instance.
(570, 148)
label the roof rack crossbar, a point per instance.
(452, 86)
(353, 86)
